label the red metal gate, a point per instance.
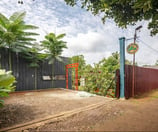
(74, 65)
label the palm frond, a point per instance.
(2, 29)
(28, 27)
(60, 36)
(3, 21)
(29, 34)
(26, 39)
(59, 58)
(45, 43)
(17, 16)
(54, 46)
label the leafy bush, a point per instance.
(99, 79)
(6, 84)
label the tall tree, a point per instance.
(15, 34)
(54, 47)
(123, 12)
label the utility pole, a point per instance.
(133, 81)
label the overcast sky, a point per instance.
(85, 33)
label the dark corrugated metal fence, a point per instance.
(146, 79)
(27, 78)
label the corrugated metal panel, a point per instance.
(25, 75)
(44, 70)
(146, 79)
(117, 92)
(4, 59)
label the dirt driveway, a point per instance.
(139, 114)
(23, 107)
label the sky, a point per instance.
(85, 33)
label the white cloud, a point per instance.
(89, 42)
(85, 33)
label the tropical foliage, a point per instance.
(6, 84)
(54, 46)
(99, 79)
(17, 36)
(15, 33)
(123, 12)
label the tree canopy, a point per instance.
(14, 32)
(54, 46)
(123, 12)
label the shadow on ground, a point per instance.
(11, 114)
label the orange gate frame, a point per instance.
(74, 65)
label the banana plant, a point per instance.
(15, 33)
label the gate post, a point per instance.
(122, 67)
(76, 77)
(67, 86)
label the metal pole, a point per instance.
(76, 78)
(133, 81)
(67, 78)
(122, 67)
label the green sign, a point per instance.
(132, 48)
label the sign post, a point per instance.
(132, 49)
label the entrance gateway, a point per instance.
(74, 65)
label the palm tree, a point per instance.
(54, 47)
(14, 33)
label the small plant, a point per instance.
(6, 84)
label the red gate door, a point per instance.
(74, 65)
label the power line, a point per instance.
(148, 46)
(128, 39)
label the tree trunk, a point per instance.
(10, 61)
(35, 80)
(53, 75)
(17, 61)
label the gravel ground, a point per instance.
(118, 115)
(22, 107)
(139, 114)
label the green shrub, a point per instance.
(6, 84)
(100, 78)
